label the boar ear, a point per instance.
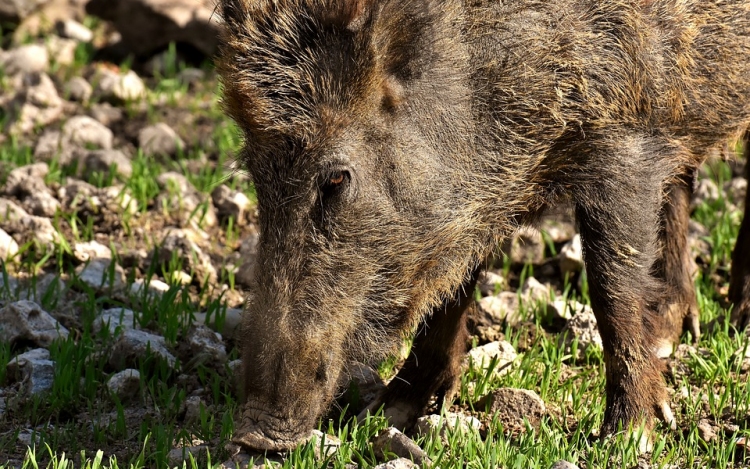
(351, 14)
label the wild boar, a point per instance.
(395, 143)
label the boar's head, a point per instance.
(356, 118)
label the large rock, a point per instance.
(182, 456)
(706, 431)
(26, 321)
(125, 385)
(102, 161)
(159, 139)
(153, 288)
(149, 25)
(501, 354)
(583, 328)
(11, 211)
(324, 445)
(85, 252)
(48, 146)
(558, 229)
(365, 383)
(514, 407)
(134, 346)
(83, 131)
(47, 284)
(78, 89)
(83, 197)
(42, 204)
(533, 291)
(118, 88)
(26, 180)
(31, 58)
(25, 228)
(117, 320)
(248, 255)
(204, 346)
(736, 189)
(101, 274)
(494, 310)
(106, 113)
(32, 228)
(705, 191)
(34, 370)
(35, 105)
(230, 322)
(177, 244)
(565, 309)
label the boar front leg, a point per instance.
(739, 288)
(617, 207)
(680, 310)
(434, 364)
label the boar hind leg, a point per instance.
(679, 312)
(739, 288)
(618, 215)
(434, 364)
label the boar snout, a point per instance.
(286, 389)
(262, 430)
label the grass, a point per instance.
(79, 417)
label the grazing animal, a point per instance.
(395, 143)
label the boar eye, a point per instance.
(334, 182)
(336, 178)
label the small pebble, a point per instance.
(78, 89)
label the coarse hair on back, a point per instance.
(290, 68)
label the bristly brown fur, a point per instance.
(447, 125)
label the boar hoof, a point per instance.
(692, 324)
(641, 436)
(665, 413)
(644, 436)
(645, 442)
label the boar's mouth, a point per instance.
(261, 430)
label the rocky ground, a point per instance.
(127, 240)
